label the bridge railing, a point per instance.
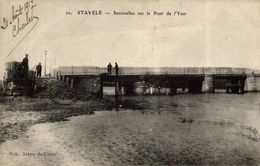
(79, 70)
(181, 71)
(93, 70)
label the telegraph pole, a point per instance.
(45, 53)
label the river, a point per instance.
(183, 129)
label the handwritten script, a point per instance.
(21, 17)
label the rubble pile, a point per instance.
(60, 90)
(43, 84)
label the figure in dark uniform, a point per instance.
(39, 70)
(25, 65)
(116, 68)
(109, 68)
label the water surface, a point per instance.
(183, 129)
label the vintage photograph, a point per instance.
(129, 82)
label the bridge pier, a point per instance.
(208, 84)
(251, 84)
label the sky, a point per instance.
(213, 33)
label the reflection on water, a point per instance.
(183, 129)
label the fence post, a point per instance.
(71, 82)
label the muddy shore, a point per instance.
(17, 114)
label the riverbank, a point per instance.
(17, 114)
(55, 101)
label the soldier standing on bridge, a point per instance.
(109, 68)
(116, 68)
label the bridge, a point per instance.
(164, 80)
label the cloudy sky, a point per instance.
(213, 33)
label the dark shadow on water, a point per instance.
(121, 103)
(154, 103)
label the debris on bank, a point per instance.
(60, 90)
(61, 93)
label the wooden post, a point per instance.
(101, 87)
(71, 82)
(116, 88)
(67, 80)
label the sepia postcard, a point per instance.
(129, 82)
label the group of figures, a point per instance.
(110, 67)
